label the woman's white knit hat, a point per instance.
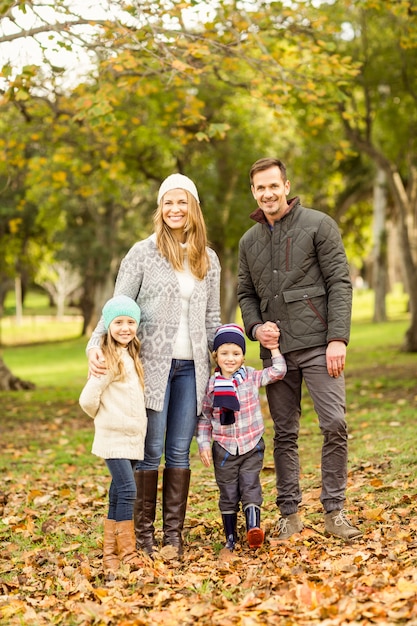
(178, 181)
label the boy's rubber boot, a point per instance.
(229, 525)
(255, 535)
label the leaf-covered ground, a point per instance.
(53, 499)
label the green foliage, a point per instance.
(205, 92)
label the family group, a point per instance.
(163, 368)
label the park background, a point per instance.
(100, 101)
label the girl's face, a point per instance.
(229, 358)
(175, 211)
(123, 328)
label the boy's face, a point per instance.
(229, 358)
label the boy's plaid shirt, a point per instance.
(244, 434)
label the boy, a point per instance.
(232, 418)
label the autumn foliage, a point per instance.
(53, 499)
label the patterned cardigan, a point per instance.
(148, 278)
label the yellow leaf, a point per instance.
(374, 514)
(59, 177)
(406, 587)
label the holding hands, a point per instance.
(268, 335)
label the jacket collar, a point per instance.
(259, 216)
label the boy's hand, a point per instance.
(205, 456)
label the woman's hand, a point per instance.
(96, 362)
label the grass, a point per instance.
(380, 382)
(55, 364)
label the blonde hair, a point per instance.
(113, 355)
(195, 237)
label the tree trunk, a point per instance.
(228, 295)
(405, 207)
(380, 247)
(405, 223)
(95, 294)
(9, 382)
(19, 300)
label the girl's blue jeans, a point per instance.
(171, 430)
(122, 492)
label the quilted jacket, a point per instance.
(295, 274)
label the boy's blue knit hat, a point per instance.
(120, 305)
(229, 333)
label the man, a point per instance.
(293, 274)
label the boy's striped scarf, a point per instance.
(225, 395)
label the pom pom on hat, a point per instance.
(229, 333)
(120, 305)
(178, 181)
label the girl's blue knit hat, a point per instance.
(120, 305)
(229, 333)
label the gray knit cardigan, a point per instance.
(148, 278)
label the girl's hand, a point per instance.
(205, 456)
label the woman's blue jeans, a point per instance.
(122, 492)
(171, 430)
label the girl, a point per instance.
(116, 402)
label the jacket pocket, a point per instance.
(306, 309)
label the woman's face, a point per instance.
(175, 211)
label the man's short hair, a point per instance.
(264, 164)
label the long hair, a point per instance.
(113, 355)
(195, 237)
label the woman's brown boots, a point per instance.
(144, 509)
(176, 483)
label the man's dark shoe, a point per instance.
(336, 523)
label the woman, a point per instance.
(175, 279)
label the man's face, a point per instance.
(270, 192)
